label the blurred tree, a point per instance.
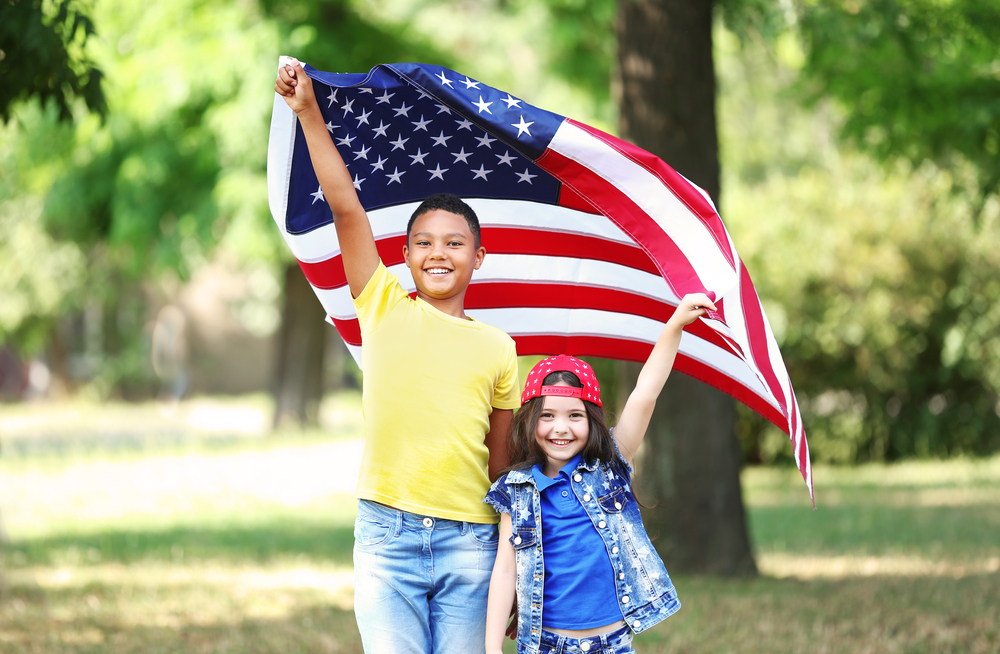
(691, 466)
(921, 78)
(43, 56)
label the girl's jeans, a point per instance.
(421, 583)
(617, 642)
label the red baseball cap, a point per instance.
(590, 392)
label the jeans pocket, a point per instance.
(370, 533)
(486, 535)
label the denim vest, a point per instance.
(645, 593)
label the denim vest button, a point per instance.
(428, 523)
(517, 540)
(618, 505)
(585, 646)
(586, 498)
(624, 599)
(637, 624)
(614, 550)
(578, 477)
(621, 575)
(602, 524)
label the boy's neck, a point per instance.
(453, 306)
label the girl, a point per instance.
(600, 580)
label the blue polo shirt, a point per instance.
(579, 589)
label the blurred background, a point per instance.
(179, 429)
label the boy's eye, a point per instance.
(456, 244)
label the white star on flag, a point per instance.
(318, 195)
(483, 106)
(522, 127)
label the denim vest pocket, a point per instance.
(615, 501)
(523, 537)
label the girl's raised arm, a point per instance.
(631, 427)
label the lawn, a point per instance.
(187, 529)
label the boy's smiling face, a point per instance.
(441, 254)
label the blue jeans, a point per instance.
(617, 642)
(421, 583)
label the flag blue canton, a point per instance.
(407, 131)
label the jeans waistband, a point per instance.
(565, 645)
(407, 521)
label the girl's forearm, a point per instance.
(501, 600)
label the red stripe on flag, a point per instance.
(501, 295)
(500, 240)
(753, 317)
(671, 261)
(682, 189)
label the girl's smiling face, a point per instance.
(562, 431)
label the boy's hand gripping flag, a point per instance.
(590, 241)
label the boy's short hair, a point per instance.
(451, 203)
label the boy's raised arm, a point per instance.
(357, 243)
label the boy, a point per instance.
(439, 390)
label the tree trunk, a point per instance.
(298, 372)
(689, 471)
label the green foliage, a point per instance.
(148, 198)
(43, 56)
(879, 287)
(921, 77)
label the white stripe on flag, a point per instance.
(655, 199)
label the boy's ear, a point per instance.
(480, 255)
(406, 255)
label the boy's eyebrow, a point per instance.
(451, 235)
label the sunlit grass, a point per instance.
(244, 545)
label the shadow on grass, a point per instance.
(874, 529)
(880, 615)
(91, 620)
(260, 544)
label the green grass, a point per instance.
(194, 542)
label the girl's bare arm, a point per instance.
(631, 427)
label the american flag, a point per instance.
(590, 240)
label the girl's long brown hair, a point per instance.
(525, 451)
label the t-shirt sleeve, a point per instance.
(499, 496)
(508, 391)
(380, 294)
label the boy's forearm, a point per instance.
(331, 171)
(354, 232)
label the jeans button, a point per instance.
(585, 646)
(428, 523)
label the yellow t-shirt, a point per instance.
(430, 382)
